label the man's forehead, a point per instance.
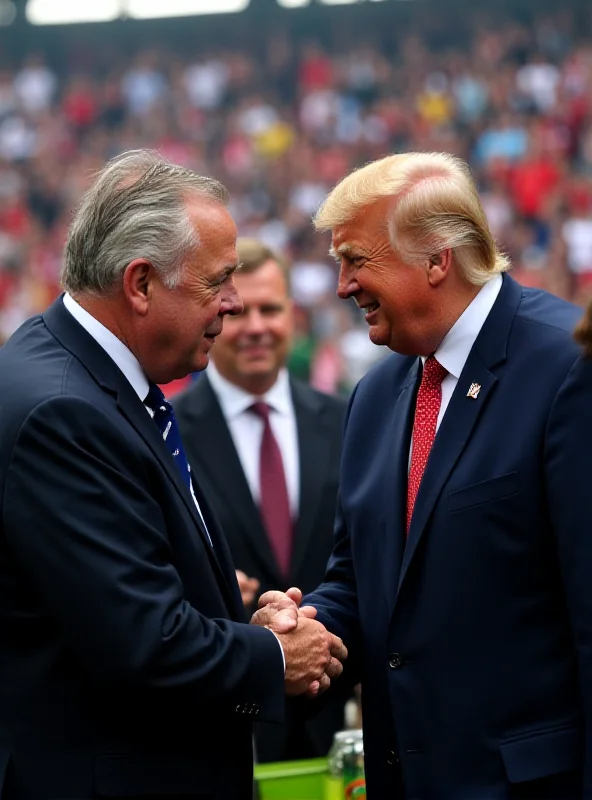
(349, 236)
(343, 236)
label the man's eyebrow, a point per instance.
(226, 272)
(345, 249)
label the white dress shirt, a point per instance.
(114, 347)
(123, 357)
(246, 429)
(455, 347)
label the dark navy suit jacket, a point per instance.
(216, 465)
(125, 667)
(473, 638)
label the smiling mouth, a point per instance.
(370, 308)
(249, 348)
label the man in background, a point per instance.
(267, 448)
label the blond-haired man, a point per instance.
(460, 576)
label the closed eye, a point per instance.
(224, 276)
(356, 261)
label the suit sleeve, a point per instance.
(336, 598)
(80, 520)
(567, 461)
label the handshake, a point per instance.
(314, 657)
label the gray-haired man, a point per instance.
(125, 668)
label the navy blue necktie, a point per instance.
(164, 416)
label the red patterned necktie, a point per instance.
(427, 408)
(274, 501)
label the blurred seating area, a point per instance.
(281, 123)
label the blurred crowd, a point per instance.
(281, 125)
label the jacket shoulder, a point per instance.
(333, 402)
(543, 332)
(193, 397)
(554, 315)
(386, 373)
(35, 369)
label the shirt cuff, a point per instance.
(281, 649)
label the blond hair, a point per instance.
(435, 207)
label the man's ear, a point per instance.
(138, 280)
(439, 266)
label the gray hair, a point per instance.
(136, 208)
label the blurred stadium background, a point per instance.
(279, 100)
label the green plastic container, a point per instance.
(292, 780)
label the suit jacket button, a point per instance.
(395, 661)
(392, 758)
(255, 709)
(238, 709)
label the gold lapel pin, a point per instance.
(474, 390)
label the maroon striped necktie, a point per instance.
(274, 501)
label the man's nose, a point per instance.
(231, 302)
(254, 322)
(346, 285)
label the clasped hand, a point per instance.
(314, 657)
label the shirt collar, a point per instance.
(235, 401)
(114, 347)
(455, 347)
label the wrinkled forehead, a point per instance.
(345, 235)
(362, 239)
(367, 224)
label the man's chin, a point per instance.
(256, 366)
(257, 373)
(377, 336)
(200, 362)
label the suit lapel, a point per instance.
(224, 470)
(314, 461)
(397, 439)
(127, 402)
(108, 375)
(134, 412)
(458, 423)
(463, 412)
